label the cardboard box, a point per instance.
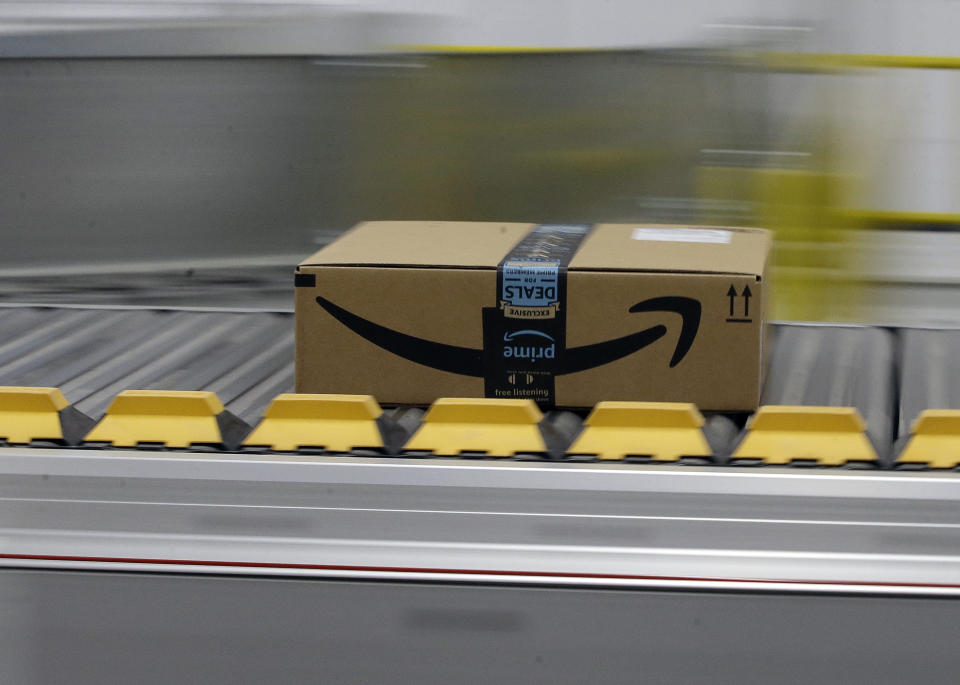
(568, 315)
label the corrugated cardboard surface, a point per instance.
(422, 243)
(432, 280)
(721, 370)
(443, 305)
(612, 247)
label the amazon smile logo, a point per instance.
(468, 361)
(539, 345)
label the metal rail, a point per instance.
(449, 520)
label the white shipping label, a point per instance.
(683, 235)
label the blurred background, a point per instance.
(191, 153)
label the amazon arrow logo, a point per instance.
(467, 361)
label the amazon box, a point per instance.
(565, 314)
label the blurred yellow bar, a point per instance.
(492, 49)
(876, 218)
(831, 61)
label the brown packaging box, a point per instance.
(412, 311)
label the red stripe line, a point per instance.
(449, 571)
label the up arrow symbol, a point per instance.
(746, 300)
(732, 294)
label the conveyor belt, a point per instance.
(268, 567)
(930, 362)
(755, 521)
(92, 354)
(248, 283)
(836, 366)
(246, 358)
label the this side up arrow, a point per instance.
(732, 294)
